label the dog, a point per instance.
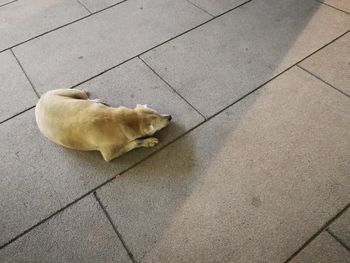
(69, 118)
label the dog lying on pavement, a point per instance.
(67, 117)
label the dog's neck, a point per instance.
(131, 122)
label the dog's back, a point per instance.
(71, 122)
(67, 117)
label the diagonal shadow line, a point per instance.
(166, 144)
(159, 150)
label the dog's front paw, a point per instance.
(150, 142)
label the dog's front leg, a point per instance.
(111, 153)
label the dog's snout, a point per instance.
(169, 117)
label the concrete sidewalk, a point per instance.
(254, 168)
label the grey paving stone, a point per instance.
(95, 6)
(16, 92)
(39, 177)
(332, 64)
(80, 233)
(228, 57)
(252, 184)
(341, 228)
(324, 249)
(217, 7)
(4, 2)
(23, 20)
(73, 54)
(340, 4)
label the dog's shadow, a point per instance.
(166, 136)
(93, 159)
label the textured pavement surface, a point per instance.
(254, 168)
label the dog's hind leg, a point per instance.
(71, 93)
(109, 153)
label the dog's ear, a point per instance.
(141, 106)
(150, 129)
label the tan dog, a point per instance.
(69, 118)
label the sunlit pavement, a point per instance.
(254, 168)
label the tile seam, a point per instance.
(94, 189)
(120, 237)
(8, 3)
(84, 17)
(317, 233)
(84, 6)
(158, 45)
(339, 240)
(295, 64)
(205, 11)
(172, 88)
(336, 8)
(17, 114)
(61, 26)
(320, 79)
(163, 147)
(26, 75)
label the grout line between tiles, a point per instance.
(162, 43)
(317, 77)
(173, 89)
(84, 6)
(52, 215)
(324, 227)
(142, 53)
(19, 113)
(338, 239)
(164, 146)
(188, 30)
(25, 73)
(332, 7)
(274, 77)
(8, 3)
(59, 27)
(156, 151)
(131, 256)
(97, 187)
(205, 11)
(82, 82)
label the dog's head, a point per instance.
(151, 120)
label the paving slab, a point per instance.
(4, 2)
(340, 4)
(323, 249)
(22, 20)
(217, 7)
(332, 64)
(39, 177)
(73, 54)
(80, 233)
(221, 61)
(341, 228)
(95, 6)
(251, 184)
(17, 94)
